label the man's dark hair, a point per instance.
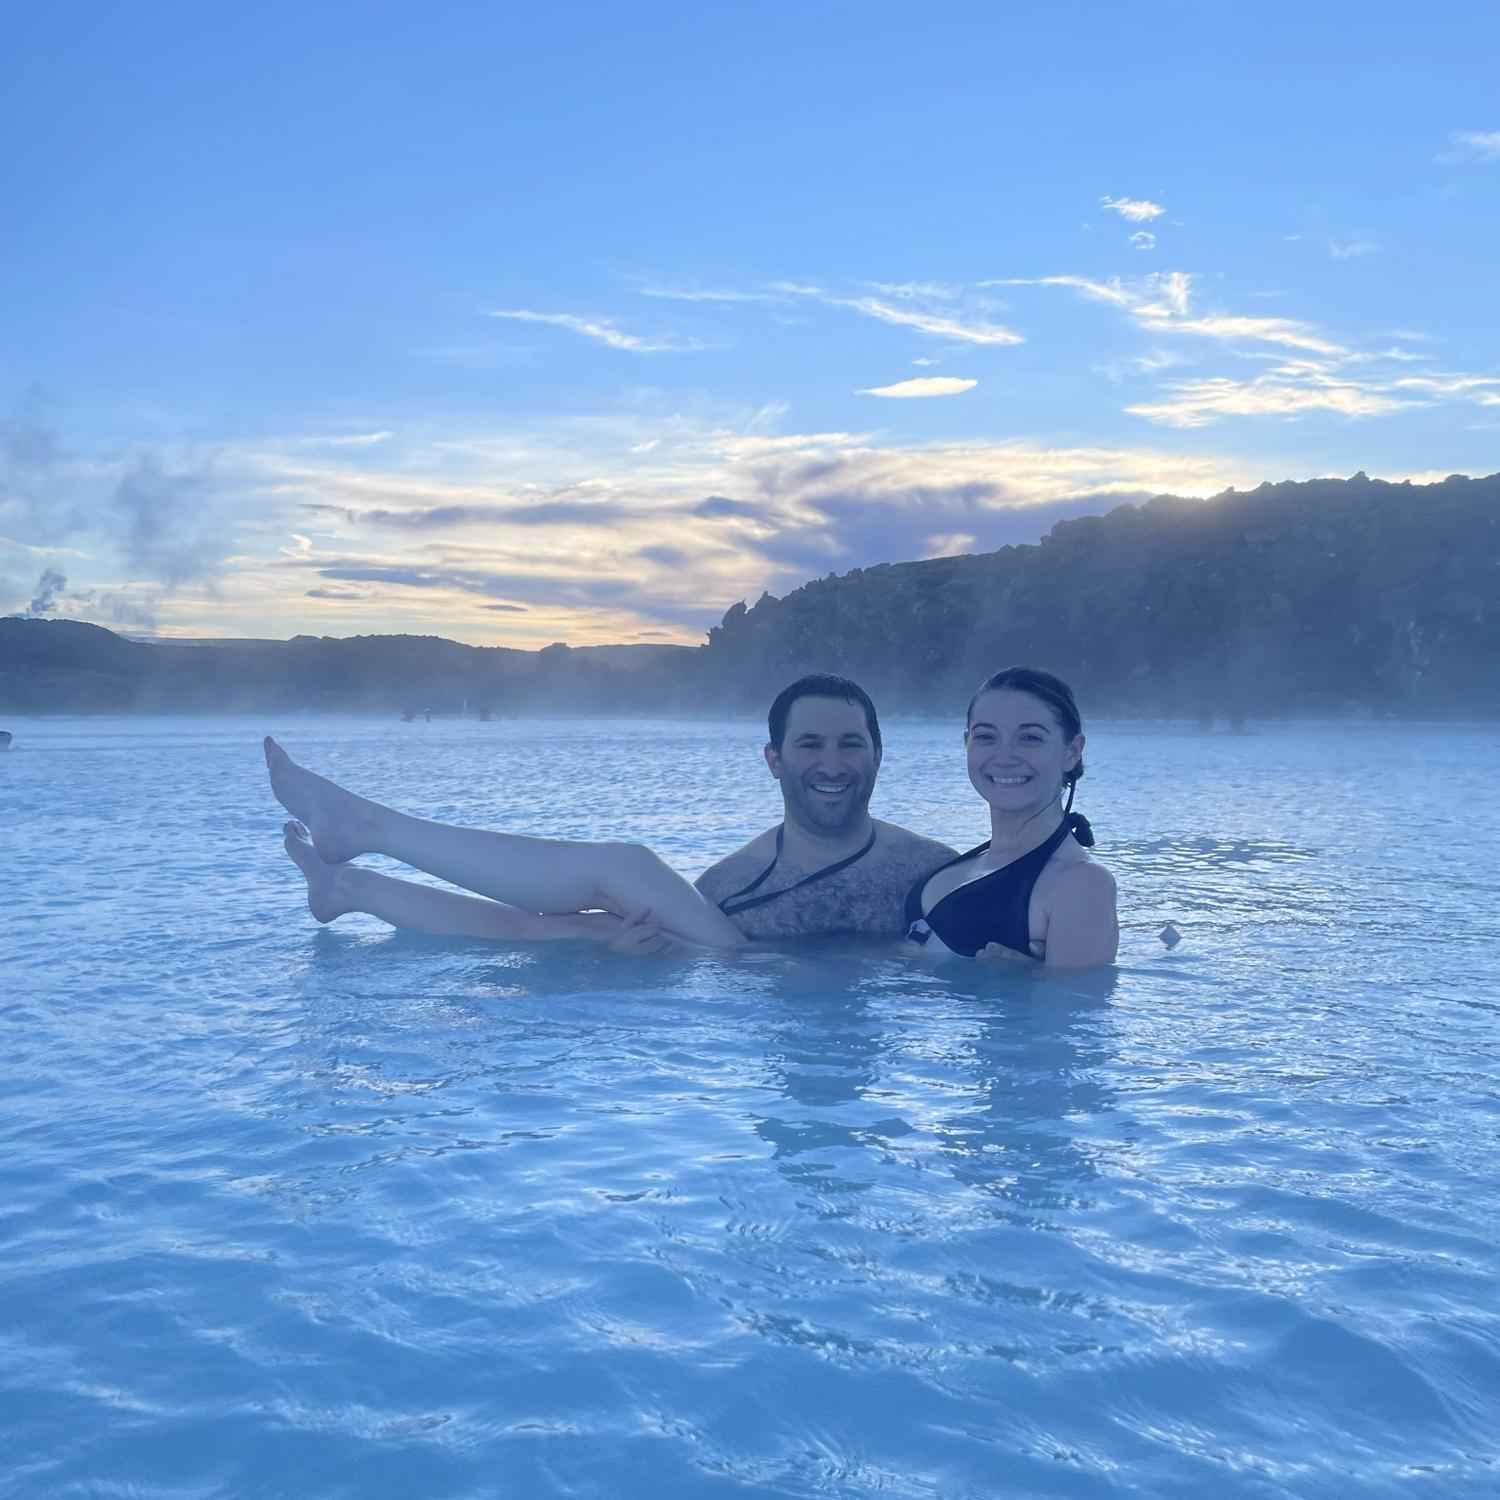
(819, 685)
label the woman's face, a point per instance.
(1018, 753)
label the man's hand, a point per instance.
(639, 934)
(996, 953)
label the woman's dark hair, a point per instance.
(1058, 697)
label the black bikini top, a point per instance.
(993, 908)
(743, 900)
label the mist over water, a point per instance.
(338, 1212)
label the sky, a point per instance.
(515, 327)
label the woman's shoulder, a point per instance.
(1073, 874)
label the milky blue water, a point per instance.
(333, 1212)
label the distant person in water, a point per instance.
(828, 868)
(1030, 890)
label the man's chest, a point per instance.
(788, 904)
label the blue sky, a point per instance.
(512, 327)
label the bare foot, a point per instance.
(323, 880)
(337, 817)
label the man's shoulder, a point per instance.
(719, 877)
(909, 848)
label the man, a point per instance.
(830, 867)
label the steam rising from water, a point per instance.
(48, 587)
(167, 517)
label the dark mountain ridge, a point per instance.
(1323, 597)
(1318, 598)
(66, 666)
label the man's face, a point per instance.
(826, 765)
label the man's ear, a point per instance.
(773, 760)
(879, 755)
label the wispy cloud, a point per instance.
(1100, 291)
(1475, 387)
(1284, 331)
(604, 330)
(1143, 239)
(1137, 210)
(926, 385)
(1199, 403)
(1301, 386)
(703, 294)
(1322, 374)
(1352, 250)
(1475, 145)
(938, 324)
(1160, 303)
(12, 545)
(933, 308)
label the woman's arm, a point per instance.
(1083, 930)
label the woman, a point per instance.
(623, 895)
(1030, 892)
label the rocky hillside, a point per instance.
(1325, 597)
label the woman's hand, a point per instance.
(996, 953)
(639, 934)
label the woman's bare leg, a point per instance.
(334, 891)
(535, 875)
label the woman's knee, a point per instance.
(632, 859)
